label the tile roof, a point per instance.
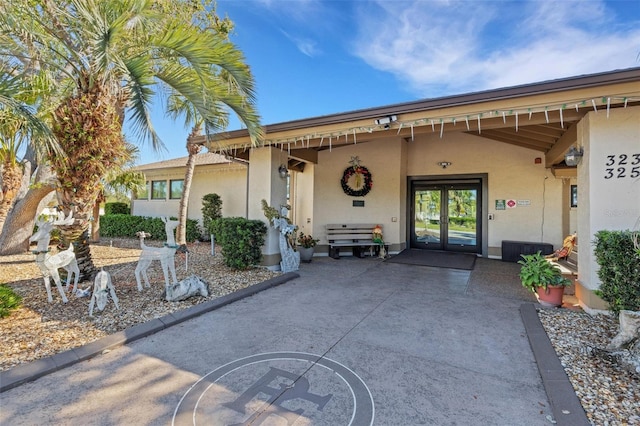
(201, 160)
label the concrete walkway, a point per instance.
(349, 341)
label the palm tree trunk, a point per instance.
(193, 149)
(18, 226)
(11, 179)
(78, 235)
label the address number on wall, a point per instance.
(622, 166)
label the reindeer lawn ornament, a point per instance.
(48, 263)
(101, 287)
(190, 286)
(166, 255)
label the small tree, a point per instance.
(211, 209)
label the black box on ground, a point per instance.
(511, 250)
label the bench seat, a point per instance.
(358, 236)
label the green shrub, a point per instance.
(9, 300)
(116, 208)
(126, 226)
(619, 270)
(241, 240)
(211, 209)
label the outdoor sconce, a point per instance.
(444, 164)
(282, 170)
(573, 156)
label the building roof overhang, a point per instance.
(539, 116)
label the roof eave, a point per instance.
(540, 88)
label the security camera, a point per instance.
(386, 120)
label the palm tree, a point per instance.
(110, 57)
(19, 126)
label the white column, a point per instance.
(265, 183)
(608, 192)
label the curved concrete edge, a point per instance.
(33, 370)
(565, 404)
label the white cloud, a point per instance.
(305, 45)
(448, 47)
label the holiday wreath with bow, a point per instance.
(356, 180)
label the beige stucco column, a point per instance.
(608, 187)
(265, 183)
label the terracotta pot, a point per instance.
(551, 297)
(305, 254)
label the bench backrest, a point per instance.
(350, 232)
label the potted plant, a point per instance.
(306, 244)
(543, 278)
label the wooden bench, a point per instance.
(358, 236)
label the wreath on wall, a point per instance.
(362, 180)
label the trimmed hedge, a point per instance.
(241, 240)
(619, 270)
(126, 226)
(116, 208)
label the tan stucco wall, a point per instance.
(512, 174)
(229, 181)
(384, 160)
(606, 204)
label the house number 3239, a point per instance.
(622, 166)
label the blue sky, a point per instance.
(312, 58)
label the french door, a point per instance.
(446, 215)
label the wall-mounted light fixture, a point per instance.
(444, 164)
(573, 156)
(386, 121)
(282, 170)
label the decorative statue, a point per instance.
(101, 287)
(290, 257)
(166, 255)
(48, 263)
(190, 286)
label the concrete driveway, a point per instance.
(350, 341)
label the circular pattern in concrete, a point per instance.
(278, 388)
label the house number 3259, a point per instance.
(622, 166)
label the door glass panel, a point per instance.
(427, 216)
(462, 217)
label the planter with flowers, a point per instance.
(306, 245)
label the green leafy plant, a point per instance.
(241, 241)
(536, 271)
(619, 271)
(9, 300)
(306, 241)
(211, 209)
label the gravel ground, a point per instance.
(609, 395)
(40, 329)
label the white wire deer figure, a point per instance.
(166, 255)
(50, 263)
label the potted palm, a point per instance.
(543, 278)
(306, 244)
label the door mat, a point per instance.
(438, 259)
